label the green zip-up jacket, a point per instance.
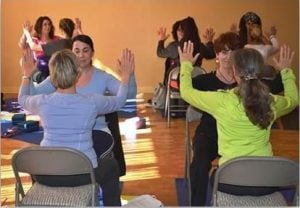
(237, 135)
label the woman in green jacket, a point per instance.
(246, 113)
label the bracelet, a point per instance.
(25, 77)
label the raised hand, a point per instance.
(162, 33)
(186, 54)
(77, 30)
(27, 26)
(285, 58)
(28, 64)
(209, 34)
(271, 32)
(233, 28)
(126, 65)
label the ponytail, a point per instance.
(256, 99)
(253, 93)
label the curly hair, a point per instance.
(254, 94)
(39, 26)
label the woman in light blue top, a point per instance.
(68, 117)
(92, 80)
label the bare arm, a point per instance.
(27, 101)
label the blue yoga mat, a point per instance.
(32, 137)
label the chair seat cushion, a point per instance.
(274, 199)
(41, 195)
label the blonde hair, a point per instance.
(64, 69)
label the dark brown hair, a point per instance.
(39, 25)
(225, 41)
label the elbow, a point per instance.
(160, 54)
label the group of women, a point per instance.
(206, 142)
(236, 120)
(88, 80)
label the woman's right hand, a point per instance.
(126, 65)
(162, 33)
(27, 26)
(285, 58)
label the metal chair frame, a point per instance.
(192, 115)
(39, 160)
(175, 95)
(257, 171)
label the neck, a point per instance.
(71, 90)
(225, 75)
(87, 69)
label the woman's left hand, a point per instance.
(209, 34)
(28, 64)
(126, 65)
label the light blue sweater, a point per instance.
(68, 119)
(101, 83)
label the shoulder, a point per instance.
(100, 73)
(56, 38)
(207, 76)
(204, 81)
(103, 76)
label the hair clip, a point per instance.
(250, 77)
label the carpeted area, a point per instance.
(181, 191)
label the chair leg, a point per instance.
(168, 110)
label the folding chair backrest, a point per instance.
(257, 171)
(51, 161)
(39, 160)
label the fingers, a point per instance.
(186, 53)
(188, 47)
(285, 57)
(127, 62)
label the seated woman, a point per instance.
(183, 30)
(92, 80)
(76, 113)
(246, 113)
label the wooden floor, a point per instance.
(154, 156)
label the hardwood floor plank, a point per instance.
(154, 155)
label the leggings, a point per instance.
(205, 148)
